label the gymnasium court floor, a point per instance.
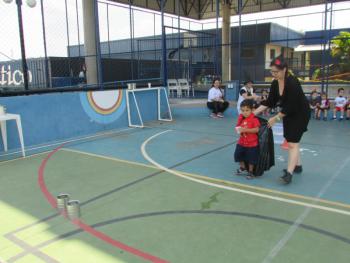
(167, 193)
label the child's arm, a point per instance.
(249, 130)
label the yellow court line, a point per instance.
(110, 158)
(24, 158)
(257, 188)
(268, 190)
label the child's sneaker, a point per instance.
(341, 118)
(347, 118)
(334, 118)
(241, 171)
(250, 176)
(325, 118)
(214, 116)
(220, 115)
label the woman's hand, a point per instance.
(272, 121)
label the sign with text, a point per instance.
(9, 77)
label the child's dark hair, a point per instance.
(215, 79)
(324, 93)
(340, 89)
(248, 103)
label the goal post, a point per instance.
(147, 104)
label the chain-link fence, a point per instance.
(63, 51)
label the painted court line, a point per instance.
(283, 241)
(280, 199)
(107, 158)
(30, 249)
(65, 142)
(88, 228)
(196, 212)
(22, 158)
(257, 188)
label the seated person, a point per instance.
(264, 95)
(216, 100)
(246, 92)
(323, 107)
(339, 104)
(314, 102)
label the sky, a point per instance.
(56, 28)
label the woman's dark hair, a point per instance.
(280, 63)
(215, 79)
(247, 103)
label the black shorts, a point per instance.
(247, 154)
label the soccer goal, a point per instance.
(147, 104)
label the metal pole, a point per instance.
(47, 83)
(76, 9)
(131, 24)
(217, 38)
(23, 51)
(324, 45)
(164, 58)
(67, 26)
(329, 46)
(98, 47)
(178, 41)
(108, 36)
(239, 39)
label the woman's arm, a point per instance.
(260, 109)
(271, 100)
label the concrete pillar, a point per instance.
(226, 41)
(90, 41)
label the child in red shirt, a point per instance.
(247, 148)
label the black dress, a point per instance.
(294, 105)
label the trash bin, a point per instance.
(62, 200)
(231, 91)
(73, 209)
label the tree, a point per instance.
(341, 46)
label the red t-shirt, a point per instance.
(248, 139)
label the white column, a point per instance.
(90, 41)
(226, 42)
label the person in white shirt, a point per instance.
(216, 101)
(339, 104)
(246, 92)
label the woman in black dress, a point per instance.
(286, 92)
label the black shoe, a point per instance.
(287, 177)
(298, 169)
(241, 171)
(325, 118)
(250, 176)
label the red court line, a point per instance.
(87, 228)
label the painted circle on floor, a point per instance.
(103, 106)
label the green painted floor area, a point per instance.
(156, 212)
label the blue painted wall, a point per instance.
(53, 117)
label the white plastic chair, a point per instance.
(174, 86)
(184, 86)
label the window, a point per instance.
(272, 54)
